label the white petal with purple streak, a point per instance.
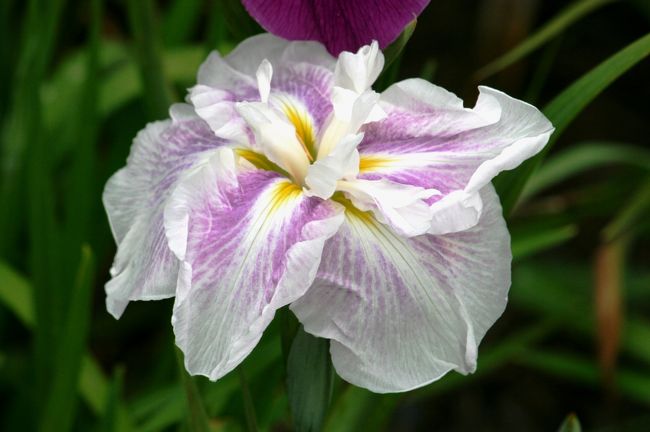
(401, 313)
(250, 248)
(134, 198)
(301, 69)
(428, 139)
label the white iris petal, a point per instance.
(288, 180)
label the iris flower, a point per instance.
(338, 24)
(286, 180)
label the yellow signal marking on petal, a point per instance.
(304, 130)
(259, 161)
(351, 211)
(285, 192)
(371, 162)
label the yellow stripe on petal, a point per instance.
(260, 161)
(368, 163)
(285, 192)
(351, 212)
(304, 130)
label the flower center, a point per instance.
(304, 130)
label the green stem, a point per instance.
(249, 408)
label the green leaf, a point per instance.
(29, 141)
(288, 329)
(110, 420)
(539, 240)
(21, 131)
(196, 416)
(16, 294)
(83, 193)
(582, 157)
(61, 404)
(394, 50)
(393, 56)
(216, 33)
(240, 25)
(562, 291)
(565, 107)
(93, 384)
(157, 92)
(570, 367)
(636, 209)
(180, 21)
(550, 30)
(570, 424)
(249, 406)
(165, 407)
(309, 381)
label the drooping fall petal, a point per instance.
(249, 243)
(400, 312)
(134, 198)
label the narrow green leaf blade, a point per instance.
(565, 107)
(550, 30)
(583, 157)
(31, 144)
(61, 404)
(309, 381)
(157, 92)
(180, 20)
(524, 246)
(625, 222)
(249, 406)
(82, 189)
(568, 104)
(110, 420)
(393, 55)
(393, 51)
(196, 416)
(16, 294)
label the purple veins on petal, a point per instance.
(341, 25)
(372, 215)
(134, 198)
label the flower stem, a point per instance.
(249, 408)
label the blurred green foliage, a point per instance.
(79, 78)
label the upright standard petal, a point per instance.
(276, 136)
(357, 71)
(339, 24)
(134, 197)
(249, 245)
(303, 70)
(428, 139)
(323, 175)
(400, 312)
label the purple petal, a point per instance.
(401, 313)
(134, 197)
(249, 244)
(339, 24)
